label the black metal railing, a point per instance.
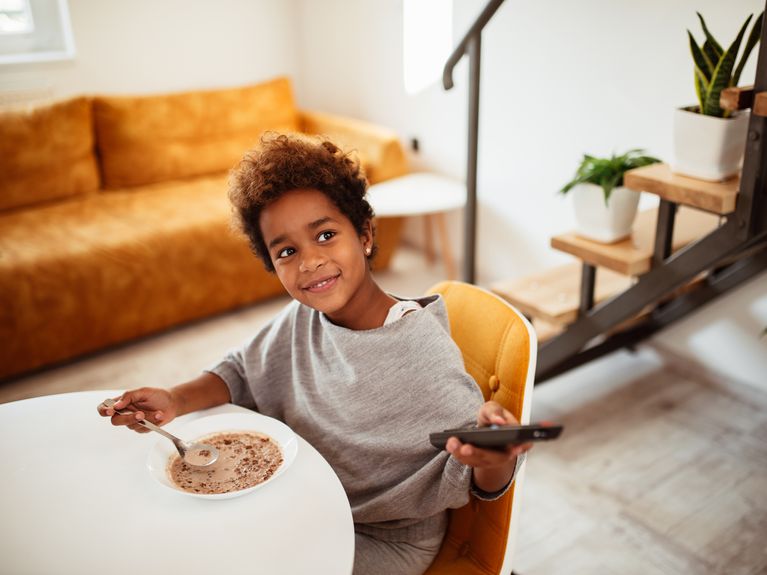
(471, 45)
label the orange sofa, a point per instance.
(114, 218)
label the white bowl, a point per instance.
(163, 449)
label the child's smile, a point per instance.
(321, 260)
(322, 285)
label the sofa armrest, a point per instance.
(379, 149)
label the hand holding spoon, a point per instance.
(193, 454)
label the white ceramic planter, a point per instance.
(604, 223)
(707, 147)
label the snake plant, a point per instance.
(715, 67)
(607, 172)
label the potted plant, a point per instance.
(604, 209)
(708, 140)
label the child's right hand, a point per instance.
(151, 403)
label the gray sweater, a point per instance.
(367, 400)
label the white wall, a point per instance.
(146, 46)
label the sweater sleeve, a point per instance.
(460, 402)
(244, 369)
(232, 370)
(458, 474)
(492, 496)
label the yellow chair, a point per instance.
(499, 351)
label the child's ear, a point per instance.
(367, 236)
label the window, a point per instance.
(15, 17)
(35, 31)
(427, 32)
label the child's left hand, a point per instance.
(492, 469)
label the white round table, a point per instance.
(76, 497)
(421, 194)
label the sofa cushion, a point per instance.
(149, 139)
(78, 276)
(47, 153)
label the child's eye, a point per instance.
(325, 236)
(285, 252)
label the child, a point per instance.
(361, 375)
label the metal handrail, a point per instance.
(462, 47)
(471, 45)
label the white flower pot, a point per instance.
(604, 223)
(707, 147)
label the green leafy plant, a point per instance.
(715, 67)
(608, 172)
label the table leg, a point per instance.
(428, 242)
(447, 254)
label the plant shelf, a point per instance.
(658, 179)
(633, 256)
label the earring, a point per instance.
(367, 251)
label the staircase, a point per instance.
(704, 239)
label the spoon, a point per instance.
(193, 454)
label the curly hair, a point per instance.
(283, 163)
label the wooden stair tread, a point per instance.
(744, 97)
(545, 330)
(551, 298)
(658, 179)
(760, 104)
(633, 256)
(554, 294)
(737, 98)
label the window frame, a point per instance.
(50, 39)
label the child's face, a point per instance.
(317, 254)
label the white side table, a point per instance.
(422, 194)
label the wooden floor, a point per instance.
(661, 470)
(657, 473)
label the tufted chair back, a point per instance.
(499, 351)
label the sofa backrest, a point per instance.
(148, 139)
(47, 153)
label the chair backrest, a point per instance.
(499, 350)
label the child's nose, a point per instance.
(312, 260)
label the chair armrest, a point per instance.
(378, 148)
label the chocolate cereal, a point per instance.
(245, 459)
